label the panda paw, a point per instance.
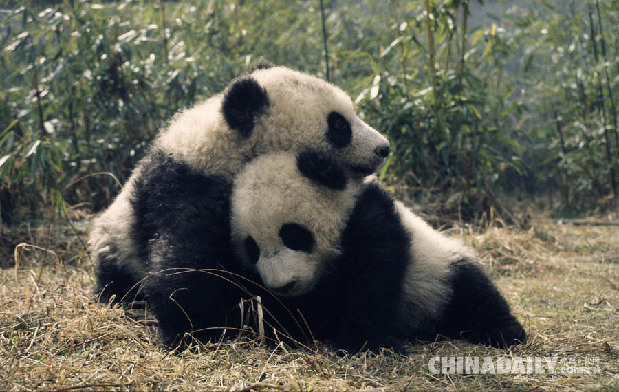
(503, 337)
(376, 345)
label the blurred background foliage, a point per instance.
(523, 104)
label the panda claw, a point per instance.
(376, 345)
(504, 337)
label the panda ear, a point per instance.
(243, 101)
(322, 168)
(262, 64)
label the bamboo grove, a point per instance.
(477, 107)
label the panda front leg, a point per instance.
(190, 293)
(183, 227)
(115, 282)
(477, 311)
(376, 254)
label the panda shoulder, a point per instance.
(428, 243)
(193, 123)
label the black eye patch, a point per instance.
(297, 237)
(322, 168)
(253, 251)
(339, 133)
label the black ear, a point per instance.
(243, 102)
(262, 64)
(322, 168)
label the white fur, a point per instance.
(110, 236)
(271, 192)
(296, 119)
(201, 138)
(426, 285)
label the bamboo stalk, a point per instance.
(449, 42)
(164, 43)
(465, 13)
(431, 52)
(402, 46)
(583, 102)
(559, 127)
(37, 94)
(72, 126)
(602, 107)
(324, 37)
(164, 35)
(612, 108)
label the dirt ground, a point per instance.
(562, 282)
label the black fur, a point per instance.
(252, 249)
(363, 170)
(182, 224)
(263, 64)
(6, 206)
(243, 102)
(322, 168)
(355, 304)
(115, 283)
(339, 132)
(477, 312)
(297, 237)
(376, 251)
(382, 151)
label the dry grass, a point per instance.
(562, 282)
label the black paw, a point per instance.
(175, 342)
(503, 337)
(353, 346)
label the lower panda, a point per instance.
(342, 261)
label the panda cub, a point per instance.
(166, 237)
(343, 261)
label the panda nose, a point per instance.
(285, 288)
(382, 151)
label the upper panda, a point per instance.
(173, 213)
(345, 262)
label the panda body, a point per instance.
(426, 283)
(172, 216)
(377, 273)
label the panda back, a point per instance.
(200, 138)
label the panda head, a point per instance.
(288, 213)
(277, 108)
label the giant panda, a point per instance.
(172, 216)
(342, 261)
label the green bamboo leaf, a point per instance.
(527, 63)
(391, 46)
(453, 198)
(375, 87)
(8, 129)
(33, 148)
(4, 159)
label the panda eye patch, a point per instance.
(339, 133)
(297, 237)
(253, 251)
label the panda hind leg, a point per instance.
(477, 311)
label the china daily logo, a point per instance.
(515, 365)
